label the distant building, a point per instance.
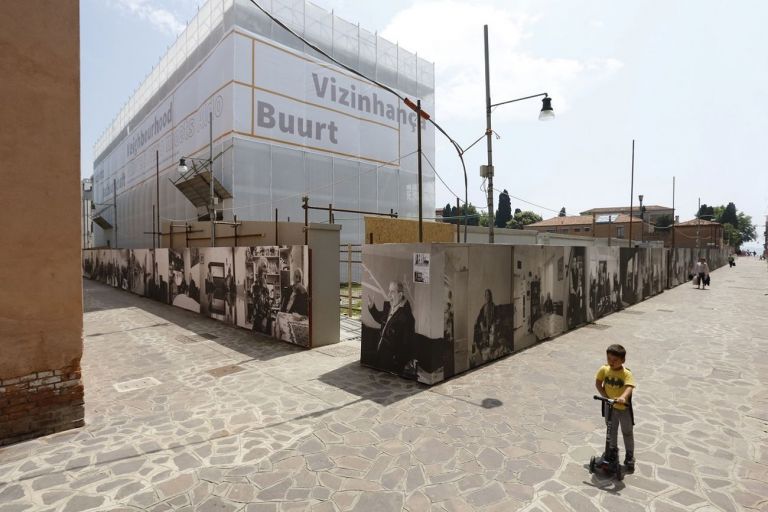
(689, 234)
(286, 123)
(652, 211)
(697, 233)
(86, 224)
(598, 226)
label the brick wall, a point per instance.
(40, 403)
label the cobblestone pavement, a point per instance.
(183, 413)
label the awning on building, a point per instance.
(196, 186)
(99, 219)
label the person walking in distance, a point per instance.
(702, 271)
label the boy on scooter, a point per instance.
(615, 381)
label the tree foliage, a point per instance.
(737, 226)
(706, 212)
(664, 221)
(457, 215)
(447, 213)
(562, 212)
(504, 213)
(523, 218)
(729, 216)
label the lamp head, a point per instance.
(183, 166)
(640, 197)
(546, 113)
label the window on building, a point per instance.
(620, 232)
(577, 230)
(587, 230)
(551, 231)
(564, 230)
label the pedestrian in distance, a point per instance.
(731, 261)
(613, 380)
(702, 272)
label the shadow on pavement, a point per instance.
(373, 385)
(197, 328)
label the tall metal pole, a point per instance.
(488, 136)
(631, 193)
(673, 213)
(114, 205)
(210, 163)
(418, 142)
(157, 195)
(154, 230)
(698, 225)
(642, 221)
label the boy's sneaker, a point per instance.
(629, 462)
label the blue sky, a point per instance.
(687, 79)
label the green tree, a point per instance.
(471, 212)
(504, 213)
(706, 212)
(731, 236)
(447, 214)
(562, 212)
(664, 221)
(483, 220)
(747, 230)
(522, 219)
(730, 216)
(473, 218)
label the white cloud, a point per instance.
(162, 19)
(449, 32)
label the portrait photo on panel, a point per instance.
(540, 294)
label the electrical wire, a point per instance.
(348, 68)
(527, 202)
(441, 178)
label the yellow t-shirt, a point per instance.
(614, 382)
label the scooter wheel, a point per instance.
(592, 464)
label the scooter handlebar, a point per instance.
(610, 401)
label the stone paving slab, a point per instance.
(313, 430)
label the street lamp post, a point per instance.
(545, 115)
(642, 219)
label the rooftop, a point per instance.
(617, 209)
(580, 220)
(700, 222)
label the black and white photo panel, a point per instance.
(658, 270)
(292, 318)
(604, 289)
(182, 283)
(88, 264)
(257, 281)
(490, 303)
(138, 271)
(451, 288)
(630, 276)
(123, 256)
(157, 285)
(575, 263)
(540, 290)
(217, 293)
(396, 324)
(245, 272)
